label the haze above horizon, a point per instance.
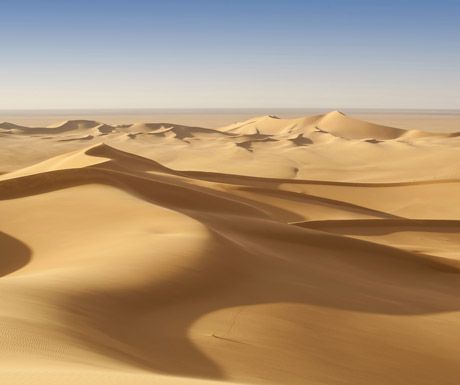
(213, 54)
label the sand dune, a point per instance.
(317, 250)
(346, 127)
(324, 147)
(67, 126)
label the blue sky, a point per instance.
(204, 54)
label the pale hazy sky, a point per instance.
(240, 53)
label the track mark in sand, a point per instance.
(228, 339)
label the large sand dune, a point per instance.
(317, 250)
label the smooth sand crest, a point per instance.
(317, 250)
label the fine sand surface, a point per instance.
(321, 250)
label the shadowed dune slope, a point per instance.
(14, 254)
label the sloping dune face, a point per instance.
(156, 253)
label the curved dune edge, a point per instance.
(15, 254)
(125, 268)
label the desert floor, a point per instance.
(321, 250)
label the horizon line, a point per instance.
(139, 109)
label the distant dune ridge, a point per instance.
(332, 146)
(315, 250)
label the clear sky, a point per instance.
(232, 53)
